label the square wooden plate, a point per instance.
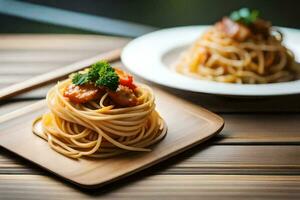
(188, 125)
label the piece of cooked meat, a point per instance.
(83, 93)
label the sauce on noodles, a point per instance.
(242, 48)
(100, 112)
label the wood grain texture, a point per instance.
(209, 187)
(14, 105)
(202, 159)
(98, 43)
(32, 69)
(260, 129)
(226, 104)
(45, 56)
(261, 137)
(41, 80)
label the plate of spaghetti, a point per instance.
(240, 55)
(99, 125)
(100, 112)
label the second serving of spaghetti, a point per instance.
(100, 112)
(242, 48)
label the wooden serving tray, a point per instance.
(188, 125)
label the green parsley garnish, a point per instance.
(100, 74)
(79, 79)
(245, 16)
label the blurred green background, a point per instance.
(158, 13)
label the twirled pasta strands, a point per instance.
(96, 130)
(216, 57)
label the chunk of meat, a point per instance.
(123, 96)
(83, 93)
(233, 29)
(262, 27)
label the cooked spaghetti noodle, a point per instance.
(99, 127)
(234, 52)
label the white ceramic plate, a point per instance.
(151, 56)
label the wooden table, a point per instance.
(257, 155)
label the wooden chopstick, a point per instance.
(55, 75)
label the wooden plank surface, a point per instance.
(54, 75)
(25, 42)
(203, 159)
(157, 187)
(225, 104)
(256, 156)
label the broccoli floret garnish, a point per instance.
(245, 16)
(100, 74)
(79, 79)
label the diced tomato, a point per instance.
(125, 79)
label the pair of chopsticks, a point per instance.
(55, 75)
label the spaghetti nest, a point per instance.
(231, 52)
(97, 129)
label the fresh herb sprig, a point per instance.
(79, 78)
(100, 74)
(245, 16)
